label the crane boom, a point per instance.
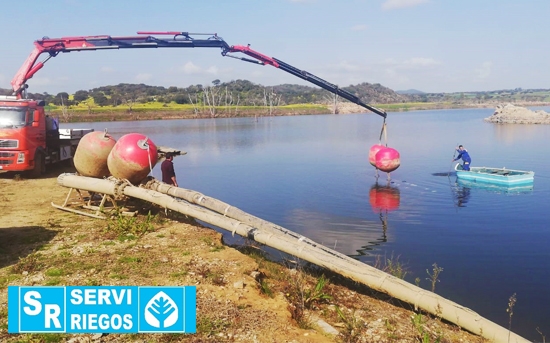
(168, 39)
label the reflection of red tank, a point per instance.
(90, 158)
(132, 158)
(384, 198)
(387, 159)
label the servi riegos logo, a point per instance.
(102, 309)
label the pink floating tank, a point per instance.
(387, 159)
(132, 158)
(372, 153)
(90, 157)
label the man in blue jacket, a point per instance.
(463, 153)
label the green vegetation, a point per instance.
(129, 228)
(423, 334)
(242, 98)
(433, 277)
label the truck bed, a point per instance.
(73, 133)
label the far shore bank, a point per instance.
(122, 114)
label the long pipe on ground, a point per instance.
(359, 272)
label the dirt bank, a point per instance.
(511, 114)
(241, 296)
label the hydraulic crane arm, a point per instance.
(176, 40)
(305, 76)
(54, 46)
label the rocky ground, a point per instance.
(241, 296)
(511, 114)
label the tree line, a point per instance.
(246, 93)
(242, 92)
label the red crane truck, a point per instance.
(30, 140)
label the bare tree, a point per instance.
(271, 100)
(130, 101)
(211, 98)
(228, 101)
(90, 106)
(332, 98)
(237, 104)
(195, 104)
(65, 110)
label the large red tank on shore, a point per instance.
(90, 157)
(132, 158)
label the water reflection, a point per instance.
(461, 194)
(467, 184)
(384, 198)
(346, 235)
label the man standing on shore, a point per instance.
(167, 168)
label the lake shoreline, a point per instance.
(343, 108)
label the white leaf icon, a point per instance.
(161, 311)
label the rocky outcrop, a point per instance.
(510, 114)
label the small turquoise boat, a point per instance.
(494, 188)
(497, 176)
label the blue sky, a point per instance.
(429, 45)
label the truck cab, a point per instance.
(29, 139)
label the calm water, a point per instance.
(311, 174)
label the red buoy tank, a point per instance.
(90, 157)
(372, 153)
(387, 159)
(132, 158)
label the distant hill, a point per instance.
(243, 91)
(410, 91)
(246, 93)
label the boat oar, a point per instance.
(454, 153)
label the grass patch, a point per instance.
(30, 264)
(217, 248)
(53, 282)
(54, 272)
(128, 259)
(6, 280)
(178, 275)
(129, 228)
(211, 326)
(44, 338)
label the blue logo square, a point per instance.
(41, 309)
(161, 309)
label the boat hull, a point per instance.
(496, 176)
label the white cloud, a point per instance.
(107, 69)
(360, 27)
(397, 4)
(143, 77)
(395, 77)
(190, 68)
(212, 70)
(484, 71)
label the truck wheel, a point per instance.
(39, 165)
